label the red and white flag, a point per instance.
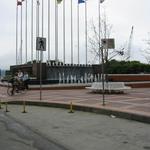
(19, 3)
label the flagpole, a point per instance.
(32, 31)
(42, 18)
(17, 34)
(42, 26)
(37, 26)
(99, 3)
(56, 31)
(86, 31)
(48, 30)
(71, 36)
(78, 32)
(21, 37)
(64, 31)
(26, 32)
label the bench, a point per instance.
(109, 87)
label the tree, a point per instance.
(94, 42)
(127, 67)
(146, 51)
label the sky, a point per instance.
(121, 14)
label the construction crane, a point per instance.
(128, 57)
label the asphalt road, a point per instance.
(16, 136)
(44, 128)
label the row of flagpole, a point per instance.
(19, 52)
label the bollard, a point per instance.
(6, 107)
(71, 108)
(24, 107)
(1, 105)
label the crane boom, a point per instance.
(129, 45)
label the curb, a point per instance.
(104, 111)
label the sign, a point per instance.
(108, 43)
(40, 44)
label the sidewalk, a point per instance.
(134, 105)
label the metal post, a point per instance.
(64, 33)
(56, 31)
(37, 26)
(41, 76)
(32, 31)
(26, 28)
(6, 107)
(42, 26)
(40, 46)
(0, 104)
(86, 33)
(71, 35)
(24, 107)
(21, 37)
(48, 30)
(103, 90)
(99, 24)
(78, 34)
(17, 35)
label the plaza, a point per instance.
(134, 104)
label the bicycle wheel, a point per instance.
(10, 91)
(23, 91)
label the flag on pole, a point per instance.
(19, 3)
(59, 1)
(81, 1)
(101, 1)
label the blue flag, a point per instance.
(101, 1)
(81, 1)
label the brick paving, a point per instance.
(136, 101)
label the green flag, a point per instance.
(59, 1)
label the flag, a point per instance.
(81, 1)
(19, 3)
(59, 1)
(101, 1)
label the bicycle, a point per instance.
(15, 87)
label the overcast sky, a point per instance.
(122, 14)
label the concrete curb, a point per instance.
(105, 111)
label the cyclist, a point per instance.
(20, 75)
(15, 83)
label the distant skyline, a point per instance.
(121, 14)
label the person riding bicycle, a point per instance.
(20, 75)
(15, 83)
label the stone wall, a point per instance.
(128, 77)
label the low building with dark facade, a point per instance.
(59, 73)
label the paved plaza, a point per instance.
(135, 104)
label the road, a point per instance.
(45, 128)
(16, 136)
